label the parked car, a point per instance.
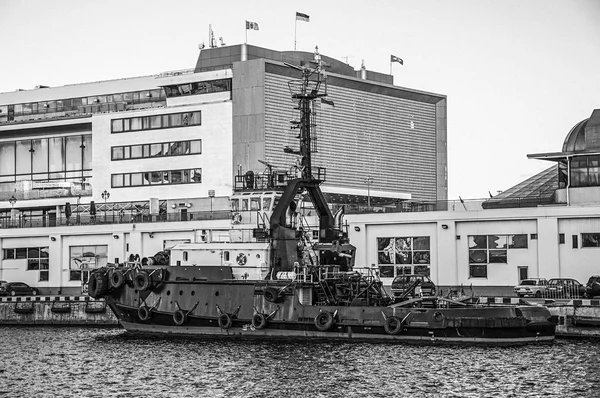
(564, 288)
(592, 287)
(535, 287)
(17, 289)
(423, 285)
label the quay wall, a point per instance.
(55, 310)
(577, 319)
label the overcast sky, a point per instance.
(518, 74)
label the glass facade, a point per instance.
(67, 158)
(81, 105)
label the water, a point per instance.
(89, 362)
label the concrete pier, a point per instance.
(55, 310)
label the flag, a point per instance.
(327, 103)
(396, 59)
(251, 25)
(302, 17)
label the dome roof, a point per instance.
(575, 140)
(585, 135)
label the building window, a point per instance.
(155, 122)
(491, 249)
(575, 243)
(561, 238)
(590, 240)
(86, 258)
(174, 148)
(163, 177)
(585, 171)
(206, 87)
(403, 256)
(37, 259)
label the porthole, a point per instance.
(181, 292)
(193, 292)
(168, 292)
(216, 293)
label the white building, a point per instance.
(548, 227)
(94, 173)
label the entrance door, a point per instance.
(523, 274)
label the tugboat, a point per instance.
(271, 276)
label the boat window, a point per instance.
(244, 204)
(226, 255)
(255, 204)
(185, 256)
(235, 204)
(266, 204)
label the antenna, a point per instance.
(222, 42)
(211, 37)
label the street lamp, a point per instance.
(105, 195)
(369, 181)
(211, 194)
(12, 200)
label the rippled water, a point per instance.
(88, 362)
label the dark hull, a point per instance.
(371, 329)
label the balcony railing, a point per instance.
(109, 218)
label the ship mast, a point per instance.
(284, 237)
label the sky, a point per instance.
(518, 74)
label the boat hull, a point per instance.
(417, 332)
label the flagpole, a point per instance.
(391, 67)
(246, 42)
(295, 25)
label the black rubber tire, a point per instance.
(259, 321)
(324, 321)
(98, 284)
(144, 313)
(179, 317)
(34, 292)
(225, 321)
(393, 325)
(116, 278)
(141, 281)
(13, 293)
(538, 294)
(438, 316)
(271, 295)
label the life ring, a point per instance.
(144, 313)
(259, 321)
(241, 259)
(116, 278)
(393, 325)
(98, 284)
(236, 218)
(225, 321)
(141, 281)
(179, 317)
(271, 294)
(324, 321)
(438, 316)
